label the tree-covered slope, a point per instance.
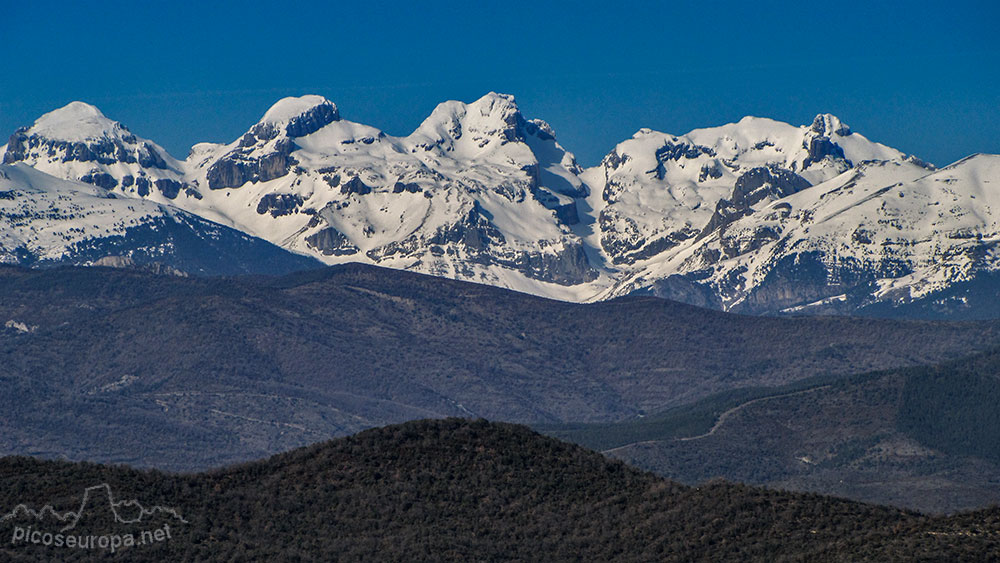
(926, 438)
(458, 490)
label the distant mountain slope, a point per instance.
(926, 438)
(45, 221)
(757, 216)
(189, 373)
(457, 490)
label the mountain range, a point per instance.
(757, 216)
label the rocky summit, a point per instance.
(757, 216)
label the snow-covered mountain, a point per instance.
(659, 190)
(756, 216)
(77, 142)
(476, 192)
(48, 221)
(885, 232)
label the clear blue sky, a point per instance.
(922, 77)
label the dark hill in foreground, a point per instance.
(457, 490)
(190, 373)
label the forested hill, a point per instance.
(925, 438)
(459, 490)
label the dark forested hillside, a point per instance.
(458, 490)
(187, 373)
(927, 438)
(953, 407)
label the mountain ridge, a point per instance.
(248, 366)
(717, 217)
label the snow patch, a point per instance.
(75, 122)
(20, 326)
(291, 107)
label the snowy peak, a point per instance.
(473, 129)
(657, 192)
(77, 122)
(477, 191)
(827, 124)
(493, 131)
(77, 142)
(883, 234)
(264, 152)
(290, 108)
(296, 117)
(496, 114)
(80, 132)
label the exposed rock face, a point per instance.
(279, 204)
(312, 120)
(300, 122)
(169, 188)
(411, 187)
(686, 289)
(806, 277)
(356, 186)
(624, 241)
(23, 146)
(126, 262)
(243, 165)
(676, 151)
(475, 232)
(476, 240)
(875, 239)
(142, 185)
(819, 143)
(425, 201)
(822, 147)
(567, 214)
(47, 221)
(540, 129)
(77, 142)
(660, 192)
(766, 182)
(754, 186)
(100, 179)
(331, 242)
(567, 267)
(826, 124)
(263, 153)
(787, 229)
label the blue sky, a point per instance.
(922, 77)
